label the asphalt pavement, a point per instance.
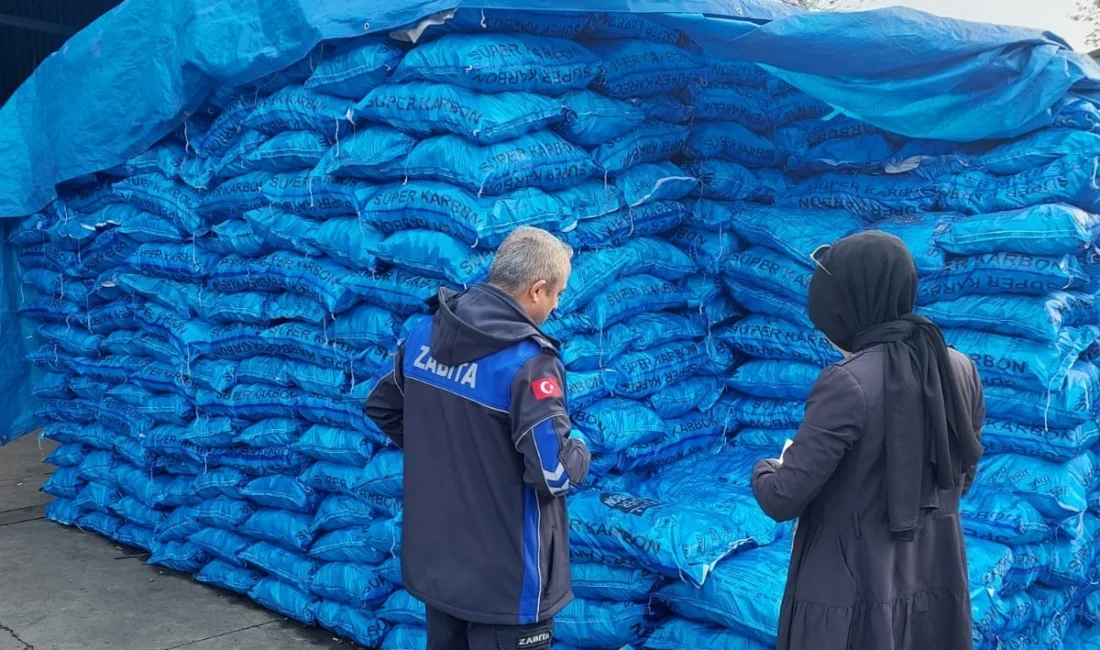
(64, 589)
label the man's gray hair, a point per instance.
(528, 255)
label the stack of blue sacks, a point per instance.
(209, 316)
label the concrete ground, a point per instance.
(63, 589)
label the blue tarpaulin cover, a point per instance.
(138, 72)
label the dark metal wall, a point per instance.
(32, 29)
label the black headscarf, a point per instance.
(862, 295)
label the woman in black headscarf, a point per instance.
(889, 444)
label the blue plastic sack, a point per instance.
(400, 292)
(863, 153)
(723, 180)
(352, 623)
(685, 436)
(1056, 490)
(437, 206)
(591, 119)
(691, 393)
(607, 583)
(273, 432)
(307, 343)
(406, 637)
(650, 142)
(356, 585)
(759, 412)
(742, 594)
(541, 159)
(585, 201)
(1044, 230)
(156, 194)
(659, 181)
(1073, 180)
(1071, 556)
(287, 152)
(64, 483)
(730, 141)
(1039, 318)
(502, 62)
(871, 197)
(289, 529)
(383, 475)
(628, 297)
(68, 455)
(401, 608)
(774, 379)
(352, 544)
(770, 271)
(235, 237)
(1002, 517)
(294, 108)
(97, 497)
(611, 426)
(347, 239)
(102, 523)
(795, 232)
(283, 492)
(588, 352)
(799, 137)
(675, 540)
(425, 109)
(735, 72)
(750, 107)
(988, 563)
(641, 374)
(223, 512)
(220, 544)
(63, 511)
(336, 445)
(617, 25)
(635, 68)
(618, 227)
(541, 23)
(302, 193)
(1001, 273)
(1019, 363)
(375, 153)
(293, 568)
(179, 556)
(220, 481)
(682, 634)
(356, 69)
(227, 576)
(341, 511)
(135, 536)
(1052, 444)
(584, 388)
(656, 257)
(290, 373)
(596, 624)
(286, 600)
(434, 254)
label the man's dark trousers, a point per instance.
(446, 632)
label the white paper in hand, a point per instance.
(786, 445)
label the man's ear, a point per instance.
(537, 289)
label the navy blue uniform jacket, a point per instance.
(476, 399)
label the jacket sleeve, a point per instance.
(979, 424)
(386, 401)
(553, 462)
(835, 418)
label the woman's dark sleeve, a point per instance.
(978, 422)
(836, 412)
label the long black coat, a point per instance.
(850, 585)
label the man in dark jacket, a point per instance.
(476, 399)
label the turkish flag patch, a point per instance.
(545, 388)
